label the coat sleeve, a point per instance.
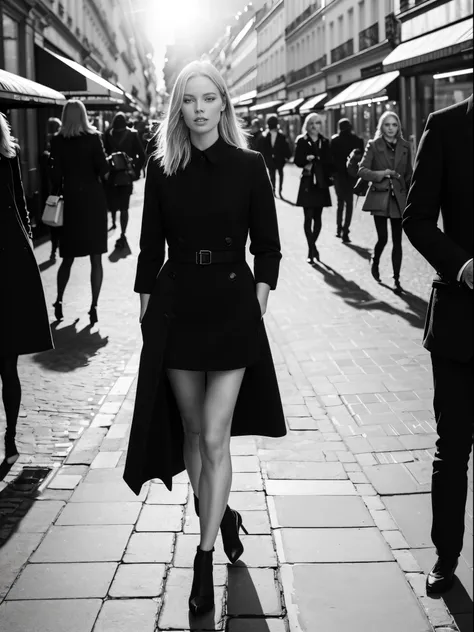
(152, 238)
(20, 195)
(409, 172)
(301, 153)
(366, 171)
(138, 153)
(101, 165)
(55, 165)
(420, 218)
(263, 224)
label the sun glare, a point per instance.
(176, 17)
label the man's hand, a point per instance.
(466, 276)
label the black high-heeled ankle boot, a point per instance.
(93, 318)
(374, 269)
(230, 529)
(58, 310)
(201, 599)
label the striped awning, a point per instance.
(313, 103)
(17, 91)
(269, 105)
(364, 91)
(290, 107)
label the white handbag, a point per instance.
(53, 211)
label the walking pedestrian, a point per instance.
(342, 144)
(119, 186)
(387, 165)
(313, 156)
(24, 326)
(442, 181)
(206, 369)
(256, 133)
(53, 127)
(78, 165)
(274, 147)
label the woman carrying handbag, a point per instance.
(24, 326)
(387, 165)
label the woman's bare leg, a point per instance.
(216, 476)
(189, 390)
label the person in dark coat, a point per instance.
(79, 164)
(256, 133)
(53, 127)
(387, 165)
(342, 144)
(274, 147)
(24, 325)
(120, 138)
(206, 370)
(313, 156)
(442, 181)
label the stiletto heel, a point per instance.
(93, 315)
(230, 530)
(201, 599)
(58, 310)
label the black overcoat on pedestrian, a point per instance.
(442, 182)
(78, 166)
(314, 186)
(275, 155)
(223, 196)
(24, 323)
(341, 146)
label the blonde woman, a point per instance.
(206, 370)
(387, 164)
(20, 288)
(313, 155)
(79, 164)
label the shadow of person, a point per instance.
(363, 252)
(459, 603)
(358, 298)
(119, 253)
(73, 349)
(46, 264)
(244, 608)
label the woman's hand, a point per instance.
(310, 157)
(144, 300)
(390, 173)
(263, 290)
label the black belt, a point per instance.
(207, 257)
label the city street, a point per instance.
(338, 512)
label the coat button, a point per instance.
(228, 241)
(232, 276)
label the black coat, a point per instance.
(275, 155)
(209, 312)
(311, 195)
(78, 165)
(128, 141)
(341, 146)
(442, 181)
(24, 323)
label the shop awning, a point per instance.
(17, 92)
(450, 40)
(245, 99)
(312, 103)
(72, 79)
(366, 90)
(291, 107)
(269, 105)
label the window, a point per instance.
(11, 48)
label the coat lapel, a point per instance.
(399, 151)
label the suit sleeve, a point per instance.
(152, 238)
(20, 196)
(101, 165)
(264, 235)
(420, 218)
(366, 171)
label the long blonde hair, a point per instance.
(8, 145)
(74, 120)
(173, 143)
(382, 119)
(307, 121)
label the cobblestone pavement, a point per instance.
(338, 512)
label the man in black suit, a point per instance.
(342, 144)
(274, 147)
(442, 180)
(255, 134)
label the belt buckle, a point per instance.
(204, 257)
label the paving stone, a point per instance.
(319, 512)
(40, 516)
(83, 544)
(305, 471)
(116, 491)
(247, 482)
(118, 431)
(413, 516)
(395, 539)
(175, 614)
(318, 546)
(13, 556)
(257, 625)
(422, 471)
(138, 580)
(160, 518)
(150, 548)
(112, 475)
(106, 460)
(249, 501)
(245, 464)
(259, 551)
(419, 441)
(125, 615)
(386, 444)
(302, 423)
(309, 488)
(159, 495)
(256, 522)
(389, 480)
(65, 481)
(67, 615)
(253, 591)
(75, 514)
(358, 445)
(313, 593)
(63, 581)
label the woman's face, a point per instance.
(390, 127)
(202, 105)
(314, 126)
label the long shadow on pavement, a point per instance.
(119, 253)
(357, 297)
(459, 604)
(46, 264)
(244, 601)
(362, 251)
(73, 349)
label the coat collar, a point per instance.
(212, 154)
(402, 144)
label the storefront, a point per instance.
(263, 110)
(290, 120)
(243, 103)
